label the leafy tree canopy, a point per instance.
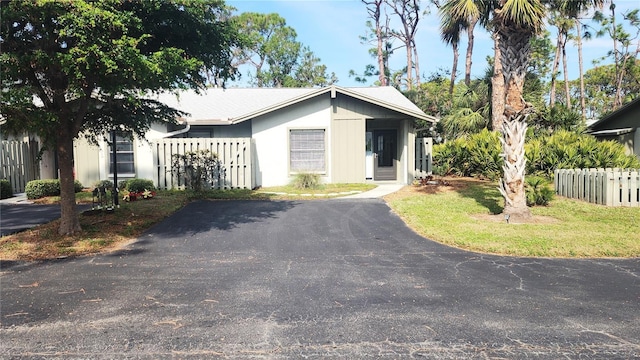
(78, 66)
(87, 64)
(272, 49)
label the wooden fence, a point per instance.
(234, 153)
(424, 150)
(610, 187)
(19, 163)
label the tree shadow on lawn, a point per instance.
(485, 194)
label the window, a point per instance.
(307, 150)
(124, 156)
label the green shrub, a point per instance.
(107, 184)
(538, 191)
(306, 181)
(37, 189)
(477, 155)
(198, 170)
(137, 185)
(570, 150)
(6, 191)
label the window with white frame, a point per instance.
(307, 150)
(124, 156)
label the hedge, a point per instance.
(136, 185)
(37, 189)
(6, 191)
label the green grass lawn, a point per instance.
(465, 217)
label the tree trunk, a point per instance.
(497, 87)
(468, 62)
(515, 50)
(583, 107)
(69, 222)
(454, 67)
(409, 65)
(382, 77)
(554, 71)
(416, 63)
(565, 72)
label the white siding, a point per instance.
(271, 136)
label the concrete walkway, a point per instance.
(380, 191)
(20, 198)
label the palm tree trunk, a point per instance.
(565, 72)
(515, 49)
(497, 87)
(468, 61)
(583, 107)
(454, 67)
(554, 71)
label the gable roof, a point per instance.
(609, 122)
(218, 106)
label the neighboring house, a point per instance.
(347, 135)
(622, 125)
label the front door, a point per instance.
(385, 148)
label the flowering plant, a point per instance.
(133, 196)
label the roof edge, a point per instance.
(614, 113)
(334, 89)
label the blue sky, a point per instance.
(331, 28)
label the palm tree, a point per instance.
(516, 22)
(513, 23)
(450, 33)
(461, 15)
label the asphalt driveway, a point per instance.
(316, 279)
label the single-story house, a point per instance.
(347, 135)
(622, 125)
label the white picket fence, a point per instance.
(424, 151)
(610, 187)
(234, 153)
(19, 163)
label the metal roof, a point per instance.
(217, 106)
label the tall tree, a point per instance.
(516, 22)
(269, 45)
(408, 12)
(563, 23)
(450, 29)
(626, 46)
(463, 14)
(374, 9)
(88, 63)
(578, 40)
(310, 72)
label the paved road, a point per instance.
(317, 279)
(16, 217)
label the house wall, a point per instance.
(348, 150)
(92, 161)
(240, 130)
(271, 135)
(349, 145)
(86, 158)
